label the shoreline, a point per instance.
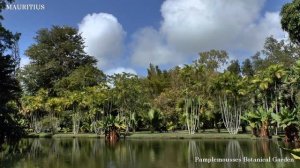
(156, 136)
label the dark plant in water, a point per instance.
(113, 126)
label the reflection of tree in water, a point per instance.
(234, 151)
(71, 153)
(129, 154)
(96, 145)
(36, 148)
(12, 153)
(194, 151)
(75, 150)
(55, 147)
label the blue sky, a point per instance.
(127, 35)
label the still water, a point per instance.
(90, 152)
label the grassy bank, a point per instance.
(149, 135)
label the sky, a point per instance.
(128, 35)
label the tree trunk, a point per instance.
(264, 130)
(112, 135)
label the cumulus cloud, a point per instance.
(192, 26)
(103, 36)
(254, 35)
(120, 70)
(149, 47)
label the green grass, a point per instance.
(188, 136)
(63, 135)
(208, 134)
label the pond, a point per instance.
(93, 152)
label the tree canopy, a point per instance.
(10, 90)
(57, 52)
(290, 20)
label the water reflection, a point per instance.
(89, 152)
(194, 150)
(234, 151)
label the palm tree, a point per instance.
(288, 120)
(253, 119)
(259, 119)
(113, 125)
(276, 73)
(155, 118)
(265, 117)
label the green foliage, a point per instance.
(286, 117)
(234, 67)
(276, 52)
(10, 90)
(9, 86)
(213, 59)
(290, 20)
(3, 6)
(252, 117)
(247, 68)
(50, 124)
(256, 118)
(62, 83)
(80, 78)
(97, 126)
(56, 54)
(155, 118)
(166, 103)
(35, 104)
(157, 80)
(111, 121)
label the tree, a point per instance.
(9, 85)
(75, 103)
(196, 110)
(288, 120)
(155, 118)
(247, 68)
(95, 100)
(265, 120)
(213, 59)
(56, 54)
(253, 119)
(156, 80)
(9, 92)
(127, 92)
(275, 52)
(234, 67)
(80, 78)
(166, 103)
(279, 52)
(54, 106)
(290, 20)
(231, 91)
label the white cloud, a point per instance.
(192, 26)
(120, 70)
(149, 47)
(103, 36)
(253, 37)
